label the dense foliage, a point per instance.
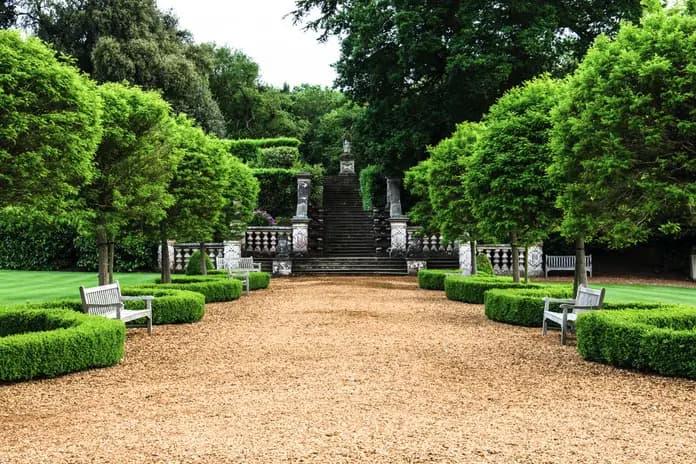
(373, 188)
(194, 265)
(49, 124)
(472, 289)
(522, 306)
(422, 67)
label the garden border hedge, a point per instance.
(661, 340)
(434, 279)
(472, 289)
(521, 306)
(257, 280)
(38, 343)
(214, 289)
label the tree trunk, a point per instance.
(103, 254)
(204, 261)
(166, 274)
(111, 261)
(580, 270)
(526, 264)
(515, 258)
(474, 267)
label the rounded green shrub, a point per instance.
(521, 306)
(214, 289)
(259, 280)
(39, 343)
(434, 279)
(171, 305)
(483, 264)
(193, 267)
(472, 289)
(659, 340)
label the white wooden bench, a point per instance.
(107, 301)
(239, 268)
(587, 299)
(565, 263)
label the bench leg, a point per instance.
(543, 326)
(149, 325)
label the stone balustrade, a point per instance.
(183, 251)
(264, 240)
(501, 258)
(435, 245)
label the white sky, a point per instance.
(284, 53)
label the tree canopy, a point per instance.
(50, 124)
(624, 133)
(422, 67)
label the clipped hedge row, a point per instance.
(248, 149)
(214, 289)
(36, 343)
(661, 340)
(257, 280)
(434, 279)
(171, 306)
(472, 289)
(521, 306)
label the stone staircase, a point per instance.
(349, 241)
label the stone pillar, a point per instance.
(693, 264)
(347, 162)
(304, 185)
(394, 197)
(300, 223)
(232, 250)
(465, 258)
(282, 263)
(398, 235)
(170, 245)
(535, 260)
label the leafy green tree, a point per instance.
(135, 162)
(624, 135)
(323, 143)
(8, 13)
(509, 190)
(421, 67)
(197, 187)
(50, 124)
(241, 193)
(131, 40)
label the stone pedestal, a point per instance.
(304, 185)
(398, 235)
(394, 197)
(415, 265)
(465, 258)
(232, 250)
(282, 267)
(300, 235)
(535, 261)
(170, 246)
(693, 267)
(347, 164)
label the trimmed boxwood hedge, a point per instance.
(257, 280)
(658, 340)
(521, 306)
(36, 343)
(170, 306)
(214, 289)
(434, 279)
(472, 289)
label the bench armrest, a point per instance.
(133, 298)
(548, 300)
(580, 307)
(102, 305)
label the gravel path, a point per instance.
(336, 370)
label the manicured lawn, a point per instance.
(620, 293)
(22, 286)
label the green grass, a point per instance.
(22, 286)
(619, 293)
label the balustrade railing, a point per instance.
(183, 251)
(264, 241)
(422, 245)
(501, 257)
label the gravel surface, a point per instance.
(347, 369)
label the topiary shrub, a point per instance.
(259, 280)
(483, 264)
(193, 267)
(434, 279)
(659, 340)
(214, 289)
(278, 157)
(38, 343)
(521, 306)
(472, 289)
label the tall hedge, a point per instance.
(248, 149)
(278, 189)
(373, 188)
